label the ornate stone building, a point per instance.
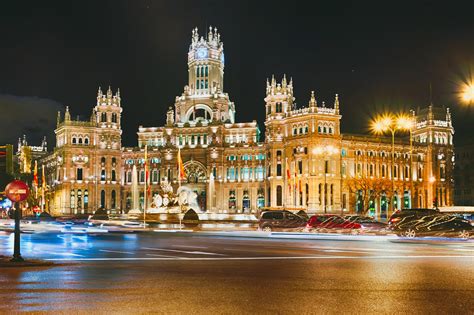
(304, 162)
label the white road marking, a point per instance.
(189, 246)
(266, 258)
(362, 249)
(157, 255)
(115, 251)
(183, 251)
(65, 254)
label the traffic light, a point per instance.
(6, 153)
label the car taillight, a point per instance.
(394, 220)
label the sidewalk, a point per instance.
(6, 263)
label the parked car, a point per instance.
(368, 224)
(428, 222)
(275, 220)
(331, 222)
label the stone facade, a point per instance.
(303, 163)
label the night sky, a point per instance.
(377, 56)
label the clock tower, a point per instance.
(206, 63)
(203, 99)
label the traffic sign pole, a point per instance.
(16, 246)
(17, 191)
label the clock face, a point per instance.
(201, 53)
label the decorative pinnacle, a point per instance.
(312, 101)
(336, 103)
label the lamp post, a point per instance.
(467, 93)
(432, 181)
(391, 123)
(325, 152)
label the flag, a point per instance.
(288, 173)
(35, 179)
(181, 172)
(43, 178)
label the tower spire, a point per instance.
(312, 100)
(67, 115)
(336, 104)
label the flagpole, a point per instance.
(42, 187)
(144, 189)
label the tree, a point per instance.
(370, 188)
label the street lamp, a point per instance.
(325, 152)
(467, 94)
(391, 123)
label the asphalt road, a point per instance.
(190, 274)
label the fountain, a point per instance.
(135, 195)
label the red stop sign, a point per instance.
(17, 191)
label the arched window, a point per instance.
(102, 160)
(142, 176)
(114, 117)
(324, 130)
(73, 200)
(114, 161)
(154, 176)
(103, 117)
(113, 176)
(319, 129)
(102, 175)
(306, 129)
(113, 199)
(279, 193)
(80, 141)
(74, 141)
(86, 141)
(102, 199)
(129, 176)
(86, 199)
(330, 130)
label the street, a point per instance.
(193, 273)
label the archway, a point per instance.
(199, 112)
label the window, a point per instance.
(395, 171)
(384, 170)
(73, 199)
(113, 176)
(232, 199)
(102, 199)
(154, 176)
(102, 160)
(278, 106)
(142, 176)
(259, 173)
(278, 169)
(86, 199)
(113, 199)
(80, 141)
(245, 173)
(103, 117)
(114, 161)
(86, 141)
(79, 173)
(279, 196)
(74, 141)
(231, 173)
(114, 117)
(129, 176)
(102, 175)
